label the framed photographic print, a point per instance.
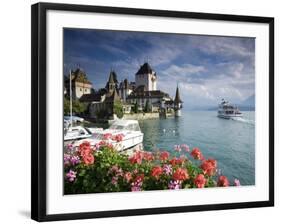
(139, 111)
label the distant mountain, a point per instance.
(245, 105)
(250, 101)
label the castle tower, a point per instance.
(177, 103)
(146, 77)
(111, 85)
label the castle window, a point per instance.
(81, 89)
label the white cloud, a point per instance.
(207, 68)
(224, 46)
(184, 70)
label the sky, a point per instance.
(206, 68)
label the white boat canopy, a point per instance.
(129, 125)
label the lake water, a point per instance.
(230, 142)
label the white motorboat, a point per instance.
(79, 132)
(129, 130)
(227, 111)
(76, 133)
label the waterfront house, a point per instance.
(80, 84)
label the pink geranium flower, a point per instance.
(237, 182)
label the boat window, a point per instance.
(118, 127)
(136, 127)
(133, 127)
(130, 127)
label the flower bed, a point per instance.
(102, 169)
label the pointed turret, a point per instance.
(177, 103)
(112, 82)
(177, 98)
(111, 78)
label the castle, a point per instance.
(140, 95)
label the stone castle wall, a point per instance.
(141, 116)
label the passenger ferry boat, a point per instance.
(227, 111)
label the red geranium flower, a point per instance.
(85, 152)
(164, 155)
(118, 138)
(136, 158)
(200, 181)
(209, 167)
(147, 156)
(102, 143)
(196, 154)
(84, 148)
(139, 178)
(128, 176)
(181, 174)
(107, 136)
(177, 161)
(156, 171)
(223, 181)
(88, 159)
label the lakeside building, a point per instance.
(145, 93)
(102, 102)
(140, 95)
(146, 77)
(80, 84)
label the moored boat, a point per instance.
(122, 134)
(78, 132)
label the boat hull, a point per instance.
(127, 142)
(224, 116)
(130, 142)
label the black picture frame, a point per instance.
(39, 122)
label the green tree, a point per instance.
(147, 107)
(118, 109)
(66, 106)
(77, 106)
(135, 108)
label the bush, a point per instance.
(77, 106)
(102, 169)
